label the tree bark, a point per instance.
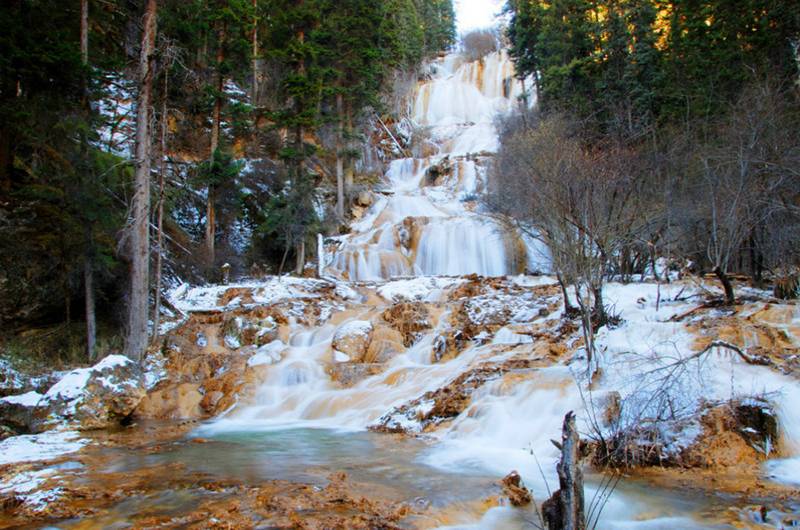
(569, 309)
(91, 320)
(136, 340)
(85, 32)
(254, 96)
(211, 216)
(565, 509)
(160, 221)
(348, 174)
(301, 257)
(727, 286)
(600, 316)
(88, 263)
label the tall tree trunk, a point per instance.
(348, 174)
(6, 161)
(88, 260)
(136, 341)
(339, 158)
(9, 91)
(160, 221)
(91, 320)
(211, 215)
(254, 96)
(85, 32)
(727, 286)
(599, 314)
(301, 257)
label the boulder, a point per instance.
(385, 344)
(14, 382)
(11, 381)
(175, 402)
(352, 339)
(93, 398)
(365, 199)
(16, 412)
(411, 319)
(348, 374)
(267, 354)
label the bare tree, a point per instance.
(139, 238)
(579, 200)
(479, 43)
(745, 170)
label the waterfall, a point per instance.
(428, 221)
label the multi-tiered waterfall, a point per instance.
(315, 378)
(427, 219)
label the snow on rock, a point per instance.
(11, 381)
(253, 292)
(267, 354)
(14, 382)
(352, 339)
(155, 370)
(340, 357)
(45, 446)
(16, 412)
(423, 288)
(93, 398)
(29, 399)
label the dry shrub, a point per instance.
(479, 43)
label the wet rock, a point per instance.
(411, 319)
(365, 199)
(348, 373)
(94, 398)
(177, 402)
(386, 343)
(437, 174)
(758, 424)
(450, 344)
(445, 403)
(267, 354)
(515, 490)
(211, 400)
(353, 339)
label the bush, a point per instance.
(479, 43)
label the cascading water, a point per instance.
(427, 224)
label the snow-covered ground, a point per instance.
(45, 446)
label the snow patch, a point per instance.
(29, 399)
(425, 288)
(33, 447)
(267, 354)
